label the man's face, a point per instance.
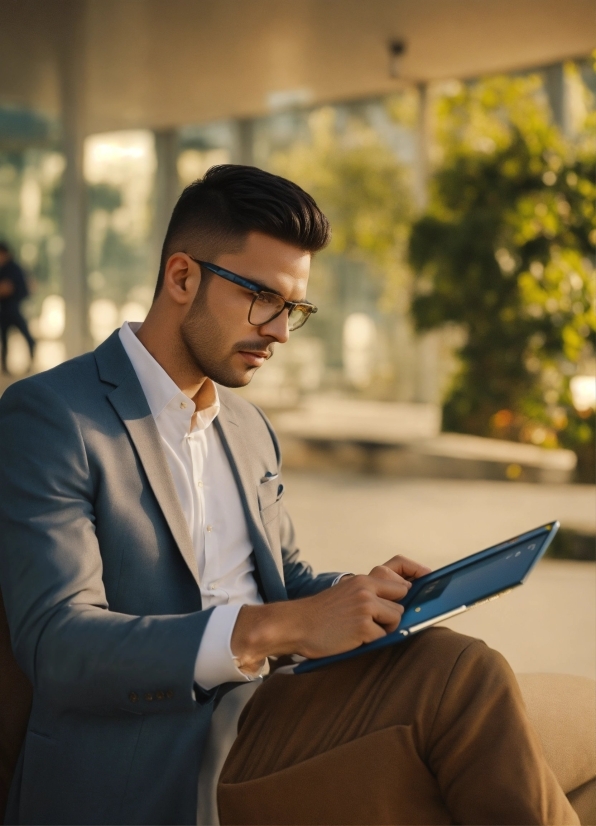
(216, 331)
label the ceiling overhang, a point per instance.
(165, 63)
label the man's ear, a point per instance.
(182, 277)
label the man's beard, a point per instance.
(203, 339)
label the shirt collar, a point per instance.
(161, 392)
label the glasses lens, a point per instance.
(298, 316)
(265, 306)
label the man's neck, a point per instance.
(170, 353)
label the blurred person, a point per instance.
(13, 291)
(150, 573)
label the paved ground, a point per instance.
(351, 522)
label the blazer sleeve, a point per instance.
(299, 578)
(76, 652)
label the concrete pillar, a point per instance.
(425, 349)
(167, 185)
(244, 152)
(556, 90)
(72, 89)
(421, 172)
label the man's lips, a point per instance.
(255, 357)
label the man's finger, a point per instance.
(407, 567)
(374, 632)
(391, 589)
(384, 572)
(388, 614)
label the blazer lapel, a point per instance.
(129, 402)
(235, 446)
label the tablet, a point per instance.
(456, 588)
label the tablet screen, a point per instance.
(440, 593)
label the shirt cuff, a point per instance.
(215, 662)
(341, 576)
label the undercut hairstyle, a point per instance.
(216, 213)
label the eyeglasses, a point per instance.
(265, 305)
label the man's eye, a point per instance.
(268, 298)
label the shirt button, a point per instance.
(209, 528)
(182, 405)
(149, 697)
(212, 587)
(199, 484)
(159, 695)
(133, 697)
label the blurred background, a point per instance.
(443, 397)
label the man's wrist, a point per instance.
(339, 578)
(215, 662)
(262, 631)
(249, 669)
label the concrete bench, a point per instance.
(562, 708)
(405, 440)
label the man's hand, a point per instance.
(359, 609)
(399, 568)
(6, 288)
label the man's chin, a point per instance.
(238, 379)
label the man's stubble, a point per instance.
(205, 343)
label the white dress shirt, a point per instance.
(210, 502)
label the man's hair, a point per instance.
(4, 248)
(215, 214)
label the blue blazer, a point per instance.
(101, 588)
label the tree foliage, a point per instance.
(363, 188)
(505, 252)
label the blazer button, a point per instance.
(133, 697)
(169, 693)
(148, 697)
(159, 695)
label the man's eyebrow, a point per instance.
(267, 289)
(264, 287)
(260, 284)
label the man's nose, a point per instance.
(277, 328)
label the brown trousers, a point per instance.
(432, 731)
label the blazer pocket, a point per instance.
(269, 492)
(270, 513)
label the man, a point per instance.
(13, 291)
(149, 570)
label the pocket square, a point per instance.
(269, 491)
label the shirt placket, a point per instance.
(197, 471)
(212, 536)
